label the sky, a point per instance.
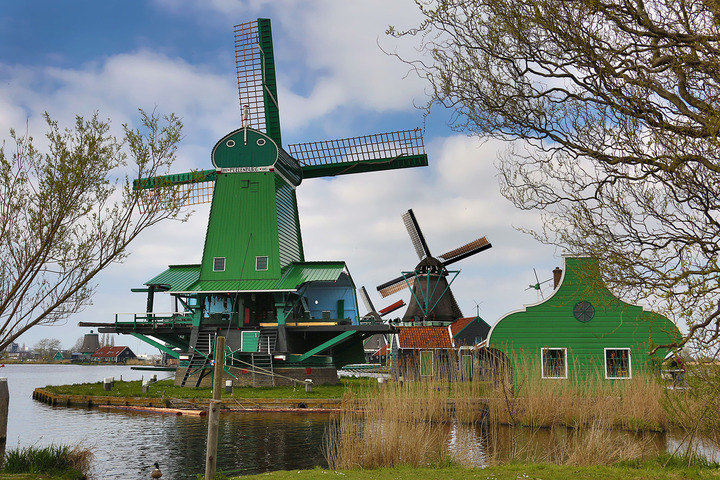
(335, 80)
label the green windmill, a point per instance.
(283, 316)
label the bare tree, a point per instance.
(47, 347)
(614, 110)
(70, 210)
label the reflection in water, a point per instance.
(126, 444)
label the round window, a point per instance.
(230, 143)
(584, 311)
(260, 142)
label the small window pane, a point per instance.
(426, 364)
(617, 363)
(261, 263)
(553, 362)
(219, 264)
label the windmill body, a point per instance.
(283, 317)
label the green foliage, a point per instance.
(68, 210)
(57, 460)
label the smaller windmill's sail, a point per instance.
(394, 286)
(257, 86)
(391, 308)
(476, 246)
(416, 236)
(366, 300)
(369, 153)
(163, 191)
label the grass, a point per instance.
(54, 461)
(167, 389)
(651, 469)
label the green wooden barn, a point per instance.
(582, 331)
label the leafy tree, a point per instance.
(47, 347)
(613, 107)
(68, 210)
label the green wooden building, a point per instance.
(582, 331)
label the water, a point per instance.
(126, 444)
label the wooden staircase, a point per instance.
(200, 355)
(263, 374)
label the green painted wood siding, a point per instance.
(290, 241)
(552, 324)
(242, 226)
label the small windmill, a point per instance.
(432, 298)
(538, 285)
(375, 314)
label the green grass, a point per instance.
(654, 469)
(165, 388)
(54, 461)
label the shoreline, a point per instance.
(178, 405)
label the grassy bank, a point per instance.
(167, 389)
(52, 462)
(658, 469)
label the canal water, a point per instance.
(126, 444)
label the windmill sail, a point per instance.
(476, 246)
(416, 236)
(394, 286)
(257, 86)
(368, 153)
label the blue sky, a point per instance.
(78, 57)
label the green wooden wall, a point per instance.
(552, 324)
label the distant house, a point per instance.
(468, 332)
(582, 331)
(422, 351)
(113, 354)
(62, 355)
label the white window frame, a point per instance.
(542, 362)
(629, 363)
(267, 263)
(432, 363)
(224, 260)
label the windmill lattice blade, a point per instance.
(191, 193)
(416, 236)
(465, 251)
(249, 62)
(346, 153)
(366, 300)
(394, 286)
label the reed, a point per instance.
(58, 460)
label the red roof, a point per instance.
(424, 337)
(106, 352)
(382, 352)
(457, 326)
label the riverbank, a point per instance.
(656, 469)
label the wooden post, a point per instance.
(4, 402)
(214, 410)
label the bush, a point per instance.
(57, 460)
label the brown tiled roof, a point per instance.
(424, 337)
(104, 352)
(457, 326)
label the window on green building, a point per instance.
(554, 363)
(426, 363)
(218, 264)
(617, 363)
(261, 263)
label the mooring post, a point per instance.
(4, 403)
(214, 410)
